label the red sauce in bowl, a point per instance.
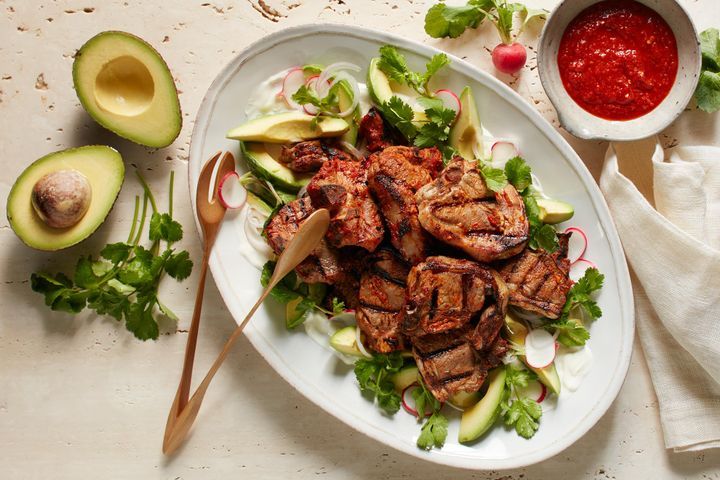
(618, 59)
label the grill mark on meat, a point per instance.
(387, 276)
(378, 308)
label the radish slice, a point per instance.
(535, 390)
(449, 100)
(577, 245)
(406, 404)
(230, 192)
(577, 269)
(501, 152)
(539, 348)
(294, 79)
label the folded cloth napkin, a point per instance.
(674, 252)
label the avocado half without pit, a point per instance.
(126, 86)
(65, 196)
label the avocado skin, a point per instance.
(108, 124)
(17, 223)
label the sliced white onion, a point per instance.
(577, 269)
(358, 341)
(294, 79)
(476, 150)
(253, 226)
(346, 317)
(329, 72)
(230, 192)
(539, 348)
(534, 390)
(355, 90)
(449, 100)
(501, 152)
(577, 245)
(349, 148)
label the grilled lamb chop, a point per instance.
(459, 209)
(539, 281)
(374, 131)
(340, 187)
(394, 175)
(323, 264)
(310, 155)
(448, 294)
(382, 301)
(448, 364)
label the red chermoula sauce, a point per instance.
(618, 59)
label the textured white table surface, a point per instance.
(81, 398)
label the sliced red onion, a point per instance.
(449, 100)
(543, 393)
(294, 79)
(539, 348)
(577, 245)
(230, 192)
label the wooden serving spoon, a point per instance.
(210, 213)
(303, 243)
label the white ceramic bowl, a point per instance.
(582, 123)
(316, 372)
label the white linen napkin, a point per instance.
(674, 252)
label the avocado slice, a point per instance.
(465, 399)
(467, 129)
(480, 417)
(547, 375)
(288, 127)
(381, 89)
(345, 99)
(344, 341)
(126, 86)
(405, 377)
(263, 165)
(104, 170)
(554, 211)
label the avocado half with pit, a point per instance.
(62, 198)
(126, 86)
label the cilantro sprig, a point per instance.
(519, 411)
(434, 431)
(572, 333)
(443, 20)
(393, 64)
(123, 283)
(707, 93)
(374, 377)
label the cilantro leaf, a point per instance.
(84, 275)
(494, 177)
(523, 413)
(116, 252)
(338, 306)
(424, 400)
(163, 227)
(518, 173)
(710, 48)
(442, 20)
(707, 93)
(579, 294)
(286, 289)
(373, 376)
(400, 115)
(393, 64)
(179, 266)
(541, 235)
(139, 320)
(434, 432)
(570, 332)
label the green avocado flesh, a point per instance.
(554, 211)
(288, 127)
(381, 89)
(263, 165)
(126, 86)
(480, 417)
(405, 377)
(345, 341)
(345, 99)
(104, 169)
(467, 130)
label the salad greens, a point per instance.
(707, 93)
(394, 65)
(124, 281)
(434, 430)
(571, 332)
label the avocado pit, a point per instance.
(61, 198)
(124, 87)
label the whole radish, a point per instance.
(509, 58)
